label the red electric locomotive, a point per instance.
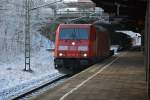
(80, 44)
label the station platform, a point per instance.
(121, 77)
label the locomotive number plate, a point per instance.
(72, 48)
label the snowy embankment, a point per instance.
(14, 80)
(12, 77)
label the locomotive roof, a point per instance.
(75, 25)
(99, 28)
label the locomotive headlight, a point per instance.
(63, 48)
(85, 55)
(82, 48)
(60, 54)
(73, 43)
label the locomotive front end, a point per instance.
(72, 45)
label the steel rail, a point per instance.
(33, 90)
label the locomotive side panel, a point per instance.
(99, 43)
(92, 42)
(56, 42)
(102, 43)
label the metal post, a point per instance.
(118, 9)
(55, 11)
(145, 45)
(68, 16)
(147, 48)
(28, 10)
(27, 37)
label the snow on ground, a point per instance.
(115, 48)
(14, 79)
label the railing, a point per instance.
(82, 14)
(77, 13)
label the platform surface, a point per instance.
(118, 78)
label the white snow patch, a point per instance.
(14, 79)
(115, 48)
(136, 37)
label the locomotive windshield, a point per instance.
(74, 33)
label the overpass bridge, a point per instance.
(83, 4)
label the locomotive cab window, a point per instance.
(74, 33)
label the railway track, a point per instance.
(38, 88)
